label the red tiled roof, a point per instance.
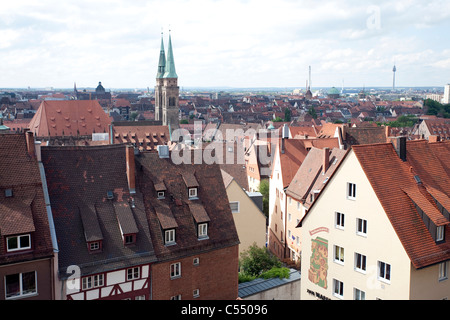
(69, 118)
(146, 138)
(394, 184)
(296, 151)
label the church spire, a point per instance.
(162, 60)
(170, 65)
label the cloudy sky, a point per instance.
(234, 43)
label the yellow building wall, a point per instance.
(250, 221)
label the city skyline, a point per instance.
(233, 43)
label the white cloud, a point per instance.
(220, 42)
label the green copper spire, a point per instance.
(170, 65)
(162, 60)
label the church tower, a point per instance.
(159, 82)
(167, 91)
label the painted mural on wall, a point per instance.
(318, 267)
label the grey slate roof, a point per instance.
(259, 285)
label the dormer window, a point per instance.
(192, 192)
(161, 189)
(17, 243)
(129, 239)
(95, 246)
(169, 237)
(202, 230)
(440, 231)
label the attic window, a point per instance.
(129, 239)
(161, 195)
(169, 237)
(202, 230)
(110, 195)
(95, 246)
(8, 193)
(17, 243)
(440, 231)
(192, 192)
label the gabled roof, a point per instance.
(397, 190)
(212, 204)
(24, 212)
(80, 178)
(310, 176)
(295, 151)
(69, 118)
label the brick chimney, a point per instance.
(326, 160)
(434, 138)
(131, 169)
(400, 147)
(30, 143)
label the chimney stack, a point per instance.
(30, 143)
(131, 171)
(400, 147)
(326, 160)
(284, 135)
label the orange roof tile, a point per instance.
(69, 118)
(394, 184)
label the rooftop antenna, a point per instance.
(393, 81)
(309, 83)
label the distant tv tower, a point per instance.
(393, 81)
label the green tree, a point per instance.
(133, 116)
(278, 119)
(287, 115)
(256, 260)
(264, 190)
(313, 112)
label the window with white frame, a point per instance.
(20, 242)
(20, 285)
(351, 191)
(94, 281)
(133, 273)
(234, 206)
(203, 230)
(339, 254)
(196, 261)
(175, 270)
(192, 192)
(161, 194)
(440, 233)
(384, 271)
(443, 271)
(338, 288)
(169, 236)
(339, 220)
(177, 297)
(361, 227)
(360, 262)
(196, 293)
(359, 294)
